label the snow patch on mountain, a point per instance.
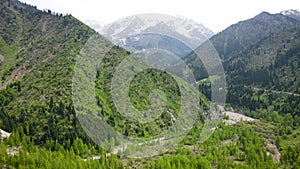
(145, 23)
(295, 12)
(96, 25)
(180, 28)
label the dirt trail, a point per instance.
(277, 91)
(235, 117)
(274, 151)
(2, 58)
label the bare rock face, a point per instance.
(4, 134)
(235, 117)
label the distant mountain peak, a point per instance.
(246, 33)
(295, 12)
(292, 13)
(147, 31)
(147, 22)
(96, 25)
(198, 25)
(264, 13)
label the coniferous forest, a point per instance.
(38, 52)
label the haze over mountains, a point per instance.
(38, 52)
(241, 35)
(175, 34)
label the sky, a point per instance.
(214, 14)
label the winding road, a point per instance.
(276, 91)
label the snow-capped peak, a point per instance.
(96, 25)
(207, 32)
(295, 12)
(133, 25)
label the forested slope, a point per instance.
(38, 51)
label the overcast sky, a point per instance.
(214, 14)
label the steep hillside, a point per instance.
(37, 51)
(242, 36)
(38, 58)
(245, 34)
(276, 60)
(293, 13)
(263, 81)
(270, 70)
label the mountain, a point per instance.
(37, 52)
(243, 35)
(177, 35)
(293, 13)
(263, 81)
(38, 55)
(96, 25)
(273, 54)
(262, 74)
(276, 59)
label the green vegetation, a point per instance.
(139, 90)
(35, 94)
(38, 53)
(19, 152)
(245, 34)
(263, 82)
(262, 77)
(275, 59)
(239, 146)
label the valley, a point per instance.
(41, 120)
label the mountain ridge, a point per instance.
(31, 86)
(293, 13)
(242, 36)
(150, 31)
(37, 107)
(249, 32)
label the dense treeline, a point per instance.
(40, 50)
(239, 146)
(19, 152)
(275, 60)
(264, 84)
(35, 94)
